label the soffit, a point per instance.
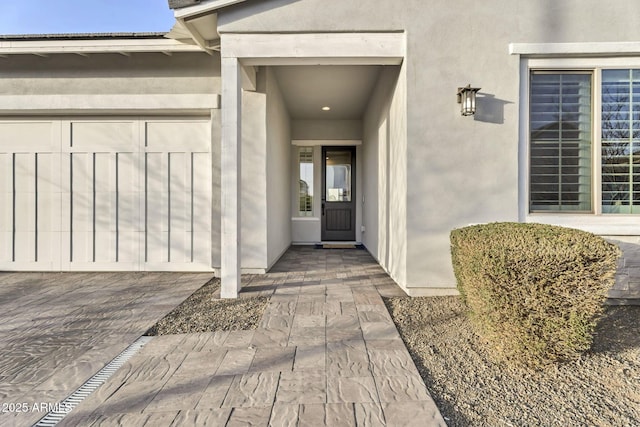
(345, 89)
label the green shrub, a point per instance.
(534, 291)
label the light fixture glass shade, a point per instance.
(467, 100)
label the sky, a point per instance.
(84, 16)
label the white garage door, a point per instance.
(105, 194)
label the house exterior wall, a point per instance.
(326, 129)
(254, 184)
(459, 170)
(278, 171)
(266, 221)
(140, 73)
(384, 208)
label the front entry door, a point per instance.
(338, 198)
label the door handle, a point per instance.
(323, 208)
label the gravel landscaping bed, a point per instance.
(204, 311)
(602, 388)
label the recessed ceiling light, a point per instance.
(326, 108)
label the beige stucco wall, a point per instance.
(326, 129)
(278, 171)
(140, 73)
(254, 185)
(266, 226)
(459, 170)
(384, 152)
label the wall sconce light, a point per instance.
(467, 100)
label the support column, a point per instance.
(230, 180)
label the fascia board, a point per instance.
(93, 46)
(203, 7)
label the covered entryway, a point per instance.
(248, 60)
(105, 193)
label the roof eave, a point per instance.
(204, 7)
(200, 21)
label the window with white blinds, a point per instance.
(620, 142)
(305, 181)
(560, 142)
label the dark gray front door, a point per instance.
(338, 198)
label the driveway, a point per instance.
(58, 329)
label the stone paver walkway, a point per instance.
(627, 287)
(326, 353)
(59, 329)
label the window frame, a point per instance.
(298, 212)
(594, 220)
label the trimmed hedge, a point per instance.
(534, 291)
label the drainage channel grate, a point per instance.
(67, 405)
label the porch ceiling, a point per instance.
(345, 89)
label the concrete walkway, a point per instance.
(59, 329)
(326, 353)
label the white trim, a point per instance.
(596, 138)
(583, 63)
(46, 47)
(204, 7)
(325, 142)
(576, 49)
(606, 224)
(316, 48)
(93, 104)
(523, 142)
(230, 183)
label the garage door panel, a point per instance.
(180, 245)
(179, 192)
(24, 165)
(25, 247)
(201, 192)
(104, 193)
(81, 196)
(178, 136)
(48, 191)
(81, 172)
(99, 199)
(101, 136)
(202, 250)
(104, 247)
(128, 211)
(6, 173)
(6, 207)
(81, 207)
(31, 137)
(129, 247)
(48, 247)
(157, 195)
(25, 206)
(81, 246)
(129, 195)
(29, 157)
(157, 243)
